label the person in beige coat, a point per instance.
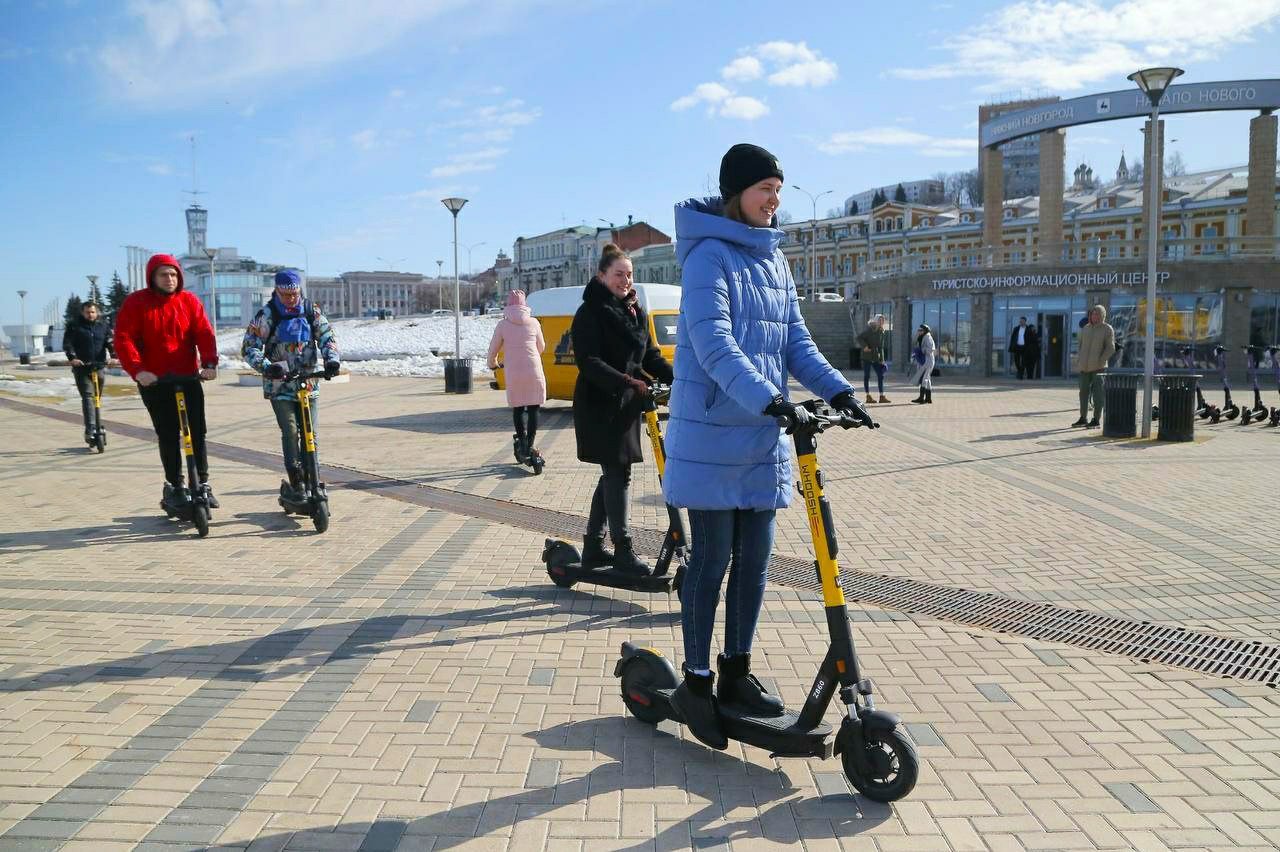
(1097, 345)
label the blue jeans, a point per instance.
(866, 377)
(739, 540)
(289, 419)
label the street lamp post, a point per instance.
(439, 275)
(391, 264)
(211, 253)
(454, 205)
(306, 261)
(22, 302)
(1153, 82)
(813, 237)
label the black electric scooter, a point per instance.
(1258, 413)
(564, 562)
(526, 455)
(1274, 352)
(192, 503)
(1189, 362)
(878, 757)
(98, 433)
(1229, 410)
(313, 501)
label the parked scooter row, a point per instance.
(1230, 410)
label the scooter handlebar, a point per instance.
(298, 374)
(822, 418)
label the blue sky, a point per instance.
(341, 125)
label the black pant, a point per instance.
(85, 385)
(611, 501)
(522, 414)
(1019, 362)
(163, 408)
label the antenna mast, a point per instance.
(194, 191)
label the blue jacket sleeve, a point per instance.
(804, 361)
(704, 304)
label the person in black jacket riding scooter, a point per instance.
(611, 345)
(88, 346)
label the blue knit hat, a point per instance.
(288, 279)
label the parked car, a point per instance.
(828, 297)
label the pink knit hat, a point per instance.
(515, 297)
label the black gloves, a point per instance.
(331, 369)
(275, 372)
(793, 415)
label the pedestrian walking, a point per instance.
(925, 355)
(1097, 345)
(518, 345)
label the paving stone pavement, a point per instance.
(410, 680)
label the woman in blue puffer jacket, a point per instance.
(740, 337)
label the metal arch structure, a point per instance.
(1260, 95)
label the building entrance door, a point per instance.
(1054, 345)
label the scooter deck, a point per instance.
(613, 579)
(299, 507)
(779, 735)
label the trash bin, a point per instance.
(24, 357)
(1120, 403)
(855, 358)
(1177, 407)
(457, 375)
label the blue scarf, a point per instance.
(295, 327)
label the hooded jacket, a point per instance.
(163, 333)
(518, 336)
(1097, 344)
(741, 337)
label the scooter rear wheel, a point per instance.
(891, 766)
(320, 515)
(200, 517)
(100, 440)
(639, 679)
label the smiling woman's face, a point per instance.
(760, 201)
(618, 277)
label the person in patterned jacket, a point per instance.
(290, 334)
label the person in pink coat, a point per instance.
(519, 338)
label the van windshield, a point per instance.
(664, 327)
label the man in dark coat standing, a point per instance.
(87, 345)
(612, 347)
(1019, 345)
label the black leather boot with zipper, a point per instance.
(739, 687)
(697, 707)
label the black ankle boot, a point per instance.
(594, 553)
(928, 396)
(626, 561)
(920, 399)
(697, 707)
(517, 447)
(739, 687)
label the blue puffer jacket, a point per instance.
(740, 336)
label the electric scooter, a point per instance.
(1189, 362)
(1274, 352)
(1259, 413)
(313, 500)
(1229, 410)
(564, 563)
(194, 506)
(98, 433)
(526, 455)
(878, 757)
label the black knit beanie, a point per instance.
(745, 165)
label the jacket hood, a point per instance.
(517, 313)
(1102, 312)
(158, 260)
(698, 219)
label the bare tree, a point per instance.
(784, 218)
(835, 212)
(1174, 165)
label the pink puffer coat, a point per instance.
(519, 338)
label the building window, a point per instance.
(1209, 247)
(965, 218)
(1104, 203)
(1008, 213)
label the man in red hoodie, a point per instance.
(163, 331)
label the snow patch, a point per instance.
(60, 388)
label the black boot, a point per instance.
(626, 561)
(697, 707)
(517, 447)
(739, 687)
(919, 400)
(174, 497)
(928, 396)
(292, 490)
(207, 490)
(594, 553)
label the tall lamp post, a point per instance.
(813, 237)
(471, 285)
(22, 302)
(211, 253)
(439, 275)
(454, 205)
(1152, 82)
(306, 261)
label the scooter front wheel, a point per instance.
(200, 517)
(320, 515)
(100, 441)
(887, 769)
(642, 676)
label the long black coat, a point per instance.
(609, 344)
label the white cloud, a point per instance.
(923, 144)
(497, 134)
(746, 108)
(743, 68)
(396, 94)
(365, 139)
(818, 72)
(1067, 44)
(162, 169)
(709, 93)
(483, 160)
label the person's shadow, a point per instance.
(641, 758)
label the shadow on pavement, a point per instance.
(127, 530)
(642, 758)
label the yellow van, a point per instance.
(554, 309)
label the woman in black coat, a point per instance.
(611, 345)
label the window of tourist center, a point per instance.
(1264, 323)
(951, 323)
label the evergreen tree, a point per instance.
(72, 313)
(878, 199)
(900, 194)
(115, 296)
(853, 208)
(95, 295)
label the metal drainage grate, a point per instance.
(1197, 651)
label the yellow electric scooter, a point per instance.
(314, 497)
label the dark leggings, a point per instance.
(522, 414)
(867, 366)
(84, 384)
(161, 405)
(611, 502)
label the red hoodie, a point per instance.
(162, 332)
